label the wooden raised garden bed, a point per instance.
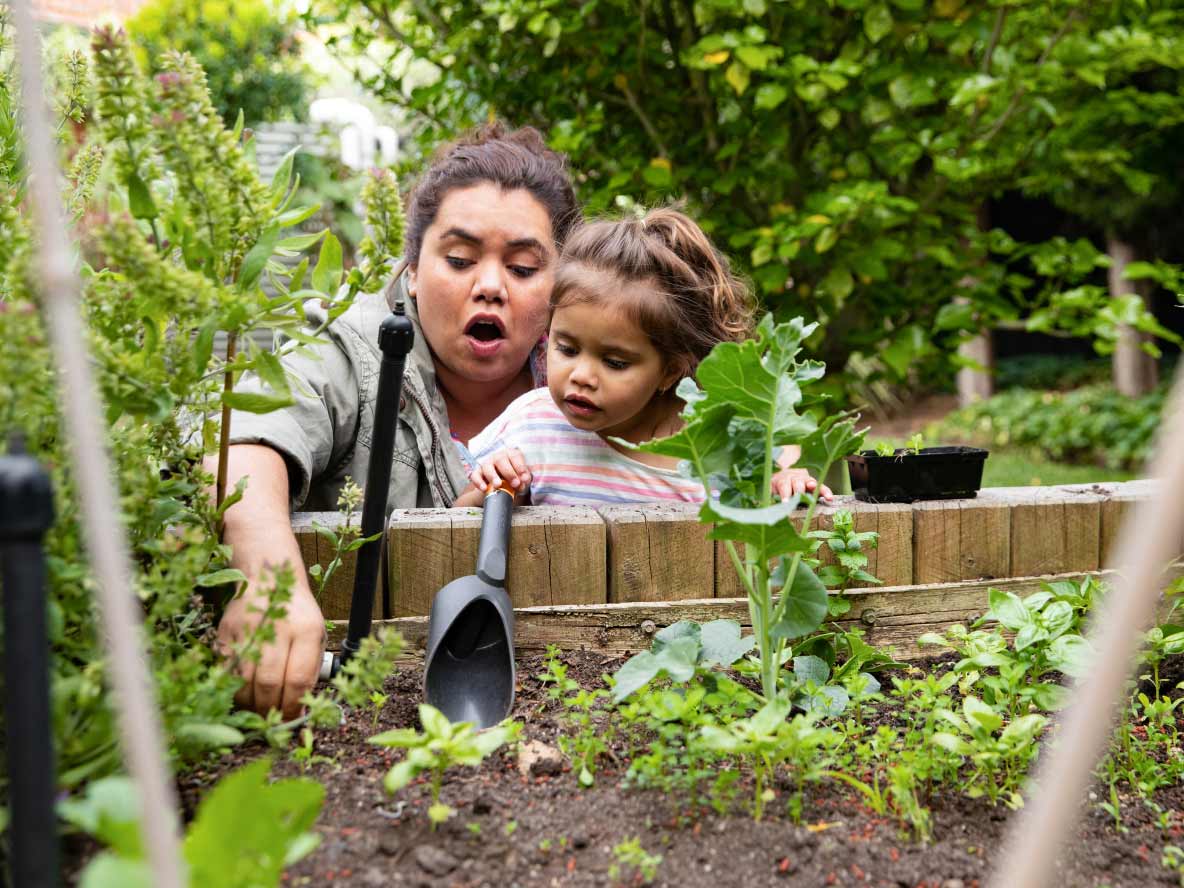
(607, 579)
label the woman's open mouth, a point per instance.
(485, 334)
(580, 406)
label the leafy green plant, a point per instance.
(245, 832)
(1044, 647)
(1092, 424)
(742, 410)
(440, 746)
(630, 856)
(848, 547)
(768, 739)
(998, 755)
(1172, 858)
(679, 650)
(589, 731)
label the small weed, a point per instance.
(630, 858)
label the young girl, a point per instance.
(637, 304)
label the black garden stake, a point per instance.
(396, 336)
(26, 512)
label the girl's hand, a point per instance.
(507, 465)
(795, 482)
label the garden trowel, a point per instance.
(468, 671)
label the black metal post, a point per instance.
(396, 336)
(26, 512)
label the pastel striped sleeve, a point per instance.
(503, 432)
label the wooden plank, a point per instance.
(1115, 509)
(528, 572)
(896, 615)
(937, 540)
(421, 558)
(1083, 532)
(576, 541)
(867, 520)
(1037, 537)
(727, 581)
(894, 555)
(984, 539)
(658, 552)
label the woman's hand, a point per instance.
(794, 482)
(507, 465)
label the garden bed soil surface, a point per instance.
(543, 829)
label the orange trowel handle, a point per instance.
(503, 486)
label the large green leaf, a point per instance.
(722, 643)
(802, 607)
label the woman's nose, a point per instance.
(490, 285)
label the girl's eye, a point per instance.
(522, 271)
(616, 364)
(564, 349)
(458, 262)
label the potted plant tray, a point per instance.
(910, 475)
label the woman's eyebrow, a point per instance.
(528, 243)
(461, 234)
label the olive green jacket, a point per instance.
(325, 436)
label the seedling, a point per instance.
(441, 745)
(630, 856)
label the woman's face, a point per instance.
(483, 280)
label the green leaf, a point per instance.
(200, 735)
(326, 277)
(838, 283)
(803, 606)
(1058, 617)
(722, 643)
(203, 345)
(1023, 729)
(435, 723)
(110, 812)
(139, 198)
(769, 96)
(678, 658)
(877, 22)
(271, 372)
(636, 672)
(675, 631)
(221, 577)
(256, 259)
(811, 668)
(282, 178)
(1072, 655)
(225, 848)
(1008, 609)
(980, 713)
(299, 242)
(254, 402)
(109, 871)
(954, 744)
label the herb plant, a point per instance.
(438, 747)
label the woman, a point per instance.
(483, 230)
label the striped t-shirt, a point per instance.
(572, 467)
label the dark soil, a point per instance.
(544, 830)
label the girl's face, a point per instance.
(604, 373)
(483, 280)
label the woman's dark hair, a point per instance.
(506, 158)
(696, 301)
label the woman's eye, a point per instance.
(522, 271)
(458, 262)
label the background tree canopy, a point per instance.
(843, 153)
(250, 56)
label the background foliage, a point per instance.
(844, 152)
(248, 49)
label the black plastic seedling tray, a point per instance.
(934, 473)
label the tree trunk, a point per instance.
(1135, 372)
(977, 385)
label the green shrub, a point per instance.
(1092, 424)
(248, 50)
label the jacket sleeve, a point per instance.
(319, 429)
